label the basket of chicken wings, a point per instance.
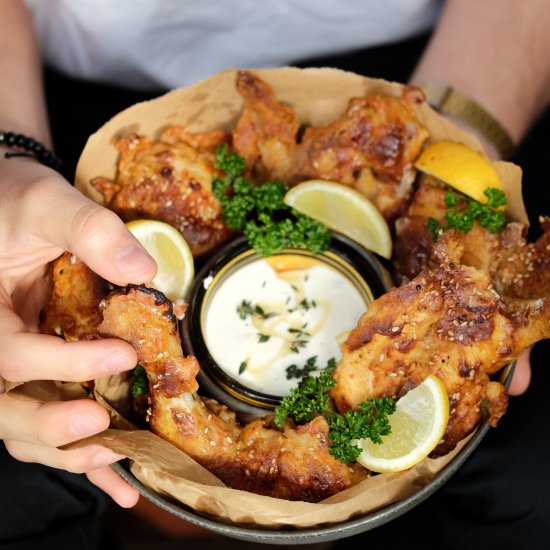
(310, 201)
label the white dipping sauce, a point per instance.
(276, 312)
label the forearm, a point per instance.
(22, 103)
(495, 52)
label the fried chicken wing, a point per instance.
(518, 269)
(169, 180)
(73, 309)
(372, 147)
(294, 464)
(450, 322)
(265, 134)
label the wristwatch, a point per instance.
(448, 101)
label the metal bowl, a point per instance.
(379, 281)
(323, 533)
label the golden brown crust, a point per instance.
(169, 180)
(294, 464)
(449, 322)
(73, 311)
(151, 328)
(372, 147)
(265, 133)
(517, 269)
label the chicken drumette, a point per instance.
(448, 321)
(371, 147)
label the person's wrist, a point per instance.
(17, 145)
(472, 117)
(488, 146)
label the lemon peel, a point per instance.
(460, 167)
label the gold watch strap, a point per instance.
(448, 101)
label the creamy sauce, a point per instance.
(277, 312)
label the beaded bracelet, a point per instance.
(30, 148)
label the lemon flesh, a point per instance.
(417, 426)
(167, 246)
(460, 167)
(345, 210)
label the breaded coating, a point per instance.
(169, 180)
(293, 464)
(448, 321)
(372, 147)
(73, 310)
(517, 269)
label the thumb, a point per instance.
(94, 234)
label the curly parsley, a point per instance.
(259, 211)
(311, 398)
(138, 379)
(461, 212)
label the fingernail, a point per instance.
(104, 457)
(133, 262)
(86, 424)
(117, 362)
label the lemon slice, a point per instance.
(417, 426)
(175, 267)
(460, 167)
(344, 210)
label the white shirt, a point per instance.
(170, 43)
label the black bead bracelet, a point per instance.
(29, 148)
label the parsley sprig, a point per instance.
(311, 398)
(259, 211)
(139, 382)
(461, 212)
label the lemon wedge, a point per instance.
(417, 426)
(460, 167)
(167, 246)
(344, 210)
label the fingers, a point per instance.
(94, 234)
(32, 431)
(111, 483)
(52, 424)
(522, 374)
(93, 460)
(76, 461)
(30, 356)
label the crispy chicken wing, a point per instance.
(73, 311)
(450, 322)
(294, 464)
(372, 147)
(265, 134)
(518, 269)
(169, 180)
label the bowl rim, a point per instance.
(313, 534)
(361, 264)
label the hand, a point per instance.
(522, 374)
(42, 215)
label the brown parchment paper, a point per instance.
(176, 477)
(318, 96)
